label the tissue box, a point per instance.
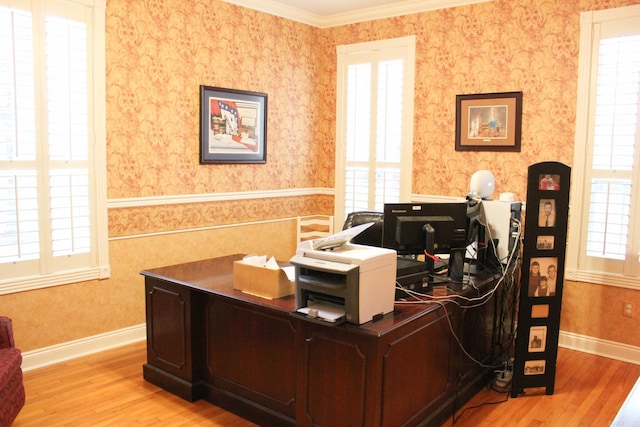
(261, 281)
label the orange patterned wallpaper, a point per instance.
(158, 54)
(154, 219)
(160, 51)
(500, 46)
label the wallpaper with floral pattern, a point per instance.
(158, 54)
(160, 51)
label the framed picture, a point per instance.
(543, 277)
(547, 213)
(233, 126)
(537, 339)
(545, 243)
(489, 122)
(534, 367)
(549, 182)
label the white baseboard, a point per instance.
(600, 347)
(70, 350)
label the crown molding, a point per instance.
(407, 7)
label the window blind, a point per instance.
(615, 134)
(49, 144)
(374, 134)
(604, 231)
(19, 225)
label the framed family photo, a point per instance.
(489, 122)
(233, 126)
(537, 339)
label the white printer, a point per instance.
(344, 281)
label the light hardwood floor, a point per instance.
(107, 389)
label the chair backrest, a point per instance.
(372, 236)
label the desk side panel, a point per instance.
(418, 370)
(169, 338)
(168, 327)
(251, 354)
(333, 370)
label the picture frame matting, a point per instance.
(489, 122)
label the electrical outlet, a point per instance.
(627, 309)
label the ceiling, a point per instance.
(329, 13)
(334, 7)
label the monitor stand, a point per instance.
(456, 265)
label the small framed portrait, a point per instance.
(545, 243)
(547, 213)
(537, 339)
(549, 182)
(534, 367)
(543, 276)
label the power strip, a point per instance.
(503, 379)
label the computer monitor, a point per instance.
(432, 228)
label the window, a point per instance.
(52, 144)
(374, 127)
(604, 238)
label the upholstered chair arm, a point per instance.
(6, 333)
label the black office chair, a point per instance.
(372, 236)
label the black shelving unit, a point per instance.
(545, 238)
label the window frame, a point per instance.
(408, 44)
(98, 264)
(576, 268)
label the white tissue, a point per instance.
(272, 264)
(261, 261)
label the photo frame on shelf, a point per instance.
(489, 122)
(233, 126)
(535, 367)
(543, 274)
(549, 182)
(547, 213)
(545, 243)
(537, 339)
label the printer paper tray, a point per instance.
(323, 312)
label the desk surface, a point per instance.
(216, 276)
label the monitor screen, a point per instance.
(412, 228)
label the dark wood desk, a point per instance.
(249, 355)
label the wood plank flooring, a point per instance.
(589, 391)
(107, 389)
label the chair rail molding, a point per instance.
(132, 202)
